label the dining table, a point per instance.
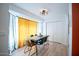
(38, 40)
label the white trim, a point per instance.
(70, 30)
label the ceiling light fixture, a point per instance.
(43, 11)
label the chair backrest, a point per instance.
(45, 39)
(33, 42)
(28, 43)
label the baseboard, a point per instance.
(59, 43)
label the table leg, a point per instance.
(36, 51)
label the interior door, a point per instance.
(75, 29)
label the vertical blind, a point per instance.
(25, 29)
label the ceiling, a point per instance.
(55, 10)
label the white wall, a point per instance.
(57, 30)
(4, 29)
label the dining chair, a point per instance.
(29, 46)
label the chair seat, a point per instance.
(29, 44)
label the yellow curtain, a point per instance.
(32, 28)
(25, 29)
